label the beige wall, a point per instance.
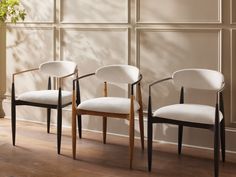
(158, 36)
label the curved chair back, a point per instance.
(58, 68)
(203, 79)
(118, 73)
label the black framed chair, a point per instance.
(49, 99)
(112, 107)
(192, 115)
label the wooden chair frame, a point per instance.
(59, 106)
(218, 128)
(130, 116)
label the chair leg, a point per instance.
(79, 125)
(216, 151)
(149, 145)
(141, 127)
(131, 140)
(180, 137)
(13, 122)
(59, 128)
(74, 132)
(48, 119)
(104, 129)
(222, 136)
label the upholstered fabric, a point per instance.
(199, 79)
(109, 105)
(189, 112)
(58, 68)
(45, 97)
(118, 73)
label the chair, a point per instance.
(114, 107)
(192, 115)
(50, 99)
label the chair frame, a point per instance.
(76, 101)
(59, 106)
(218, 128)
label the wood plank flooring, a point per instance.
(35, 156)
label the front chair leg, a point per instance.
(104, 129)
(216, 151)
(13, 122)
(48, 119)
(141, 127)
(131, 140)
(149, 145)
(180, 137)
(222, 136)
(79, 125)
(59, 129)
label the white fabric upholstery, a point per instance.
(45, 97)
(199, 79)
(58, 68)
(188, 112)
(108, 105)
(118, 73)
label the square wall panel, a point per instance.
(27, 48)
(94, 11)
(161, 52)
(180, 11)
(42, 11)
(91, 49)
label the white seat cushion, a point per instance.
(45, 97)
(189, 112)
(108, 105)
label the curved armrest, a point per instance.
(136, 82)
(81, 77)
(157, 82)
(21, 72)
(63, 77)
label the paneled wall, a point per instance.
(158, 36)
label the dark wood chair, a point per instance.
(192, 115)
(49, 99)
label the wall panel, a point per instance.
(94, 11)
(187, 48)
(181, 11)
(42, 11)
(26, 49)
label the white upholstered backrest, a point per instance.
(58, 68)
(199, 79)
(118, 73)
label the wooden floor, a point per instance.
(35, 156)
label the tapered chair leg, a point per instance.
(222, 137)
(216, 151)
(104, 129)
(13, 114)
(180, 137)
(79, 125)
(48, 119)
(141, 127)
(13, 122)
(59, 130)
(131, 132)
(149, 145)
(131, 142)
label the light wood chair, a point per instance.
(114, 107)
(192, 115)
(50, 99)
